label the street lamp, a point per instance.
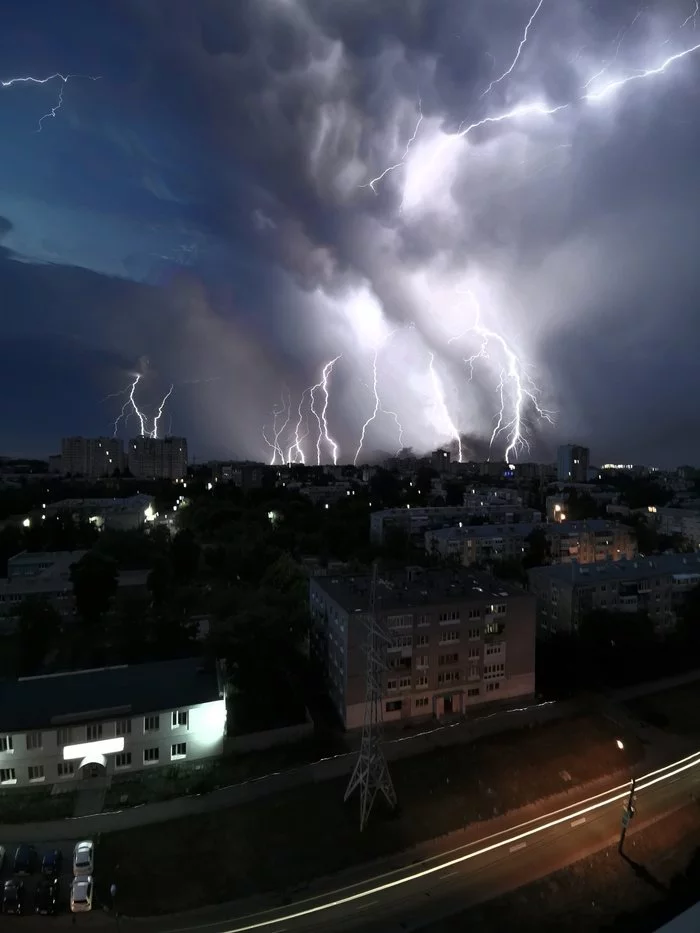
(620, 744)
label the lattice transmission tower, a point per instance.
(371, 772)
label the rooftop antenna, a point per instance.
(371, 772)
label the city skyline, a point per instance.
(479, 229)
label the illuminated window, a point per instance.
(179, 750)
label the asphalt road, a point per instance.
(409, 899)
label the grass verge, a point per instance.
(306, 832)
(35, 806)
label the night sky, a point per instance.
(201, 216)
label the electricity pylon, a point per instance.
(371, 772)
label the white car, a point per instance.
(81, 894)
(84, 858)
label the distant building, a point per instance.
(244, 475)
(440, 460)
(415, 521)
(655, 585)
(158, 457)
(584, 541)
(56, 463)
(121, 514)
(92, 457)
(85, 725)
(685, 522)
(573, 463)
(459, 640)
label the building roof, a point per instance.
(638, 569)
(55, 700)
(415, 586)
(523, 529)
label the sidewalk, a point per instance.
(396, 746)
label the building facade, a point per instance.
(61, 728)
(158, 457)
(415, 521)
(92, 456)
(457, 640)
(655, 585)
(572, 463)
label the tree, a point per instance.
(95, 579)
(38, 629)
(184, 555)
(538, 550)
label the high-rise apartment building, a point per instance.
(158, 457)
(572, 463)
(92, 456)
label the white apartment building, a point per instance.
(457, 640)
(158, 457)
(60, 728)
(92, 456)
(121, 514)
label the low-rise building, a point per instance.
(685, 522)
(655, 585)
(244, 475)
(457, 640)
(46, 575)
(585, 541)
(59, 728)
(120, 514)
(158, 457)
(415, 521)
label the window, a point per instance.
(451, 616)
(34, 741)
(492, 686)
(473, 692)
(422, 702)
(401, 641)
(449, 677)
(122, 727)
(393, 706)
(179, 750)
(493, 628)
(474, 654)
(151, 756)
(452, 635)
(403, 621)
(422, 681)
(151, 723)
(422, 640)
(474, 672)
(424, 620)
(6, 743)
(448, 659)
(123, 759)
(94, 732)
(474, 634)
(7, 776)
(36, 772)
(179, 718)
(421, 660)
(64, 735)
(66, 768)
(391, 685)
(475, 613)
(404, 682)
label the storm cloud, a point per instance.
(543, 261)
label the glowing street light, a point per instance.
(620, 744)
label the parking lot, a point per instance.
(33, 878)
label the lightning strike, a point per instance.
(402, 161)
(378, 407)
(29, 79)
(516, 390)
(693, 16)
(440, 401)
(154, 432)
(295, 454)
(321, 418)
(278, 430)
(639, 75)
(521, 46)
(130, 407)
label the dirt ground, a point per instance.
(605, 892)
(307, 832)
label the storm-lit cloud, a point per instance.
(208, 204)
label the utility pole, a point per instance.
(371, 772)
(628, 812)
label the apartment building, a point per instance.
(92, 456)
(158, 457)
(246, 475)
(60, 728)
(655, 585)
(46, 575)
(415, 521)
(457, 640)
(572, 463)
(685, 522)
(585, 541)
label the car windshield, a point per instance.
(82, 894)
(83, 858)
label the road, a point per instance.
(442, 886)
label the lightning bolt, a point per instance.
(154, 432)
(612, 86)
(521, 46)
(29, 79)
(321, 417)
(516, 390)
(693, 16)
(295, 454)
(391, 168)
(278, 429)
(378, 408)
(439, 395)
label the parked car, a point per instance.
(84, 858)
(13, 897)
(46, 896)
(25, 860)
(81, 894)
(52, 863)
